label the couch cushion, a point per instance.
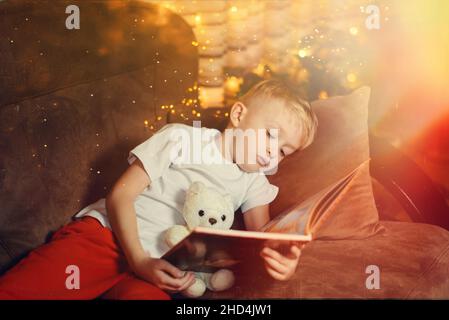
(340, 146)
(413, 260)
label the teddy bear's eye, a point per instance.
(223, 217)
(201, 213)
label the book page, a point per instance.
(295, 219)
(301, 218)
(325, 202)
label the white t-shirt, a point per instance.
(159, 206)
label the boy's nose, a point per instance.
(270, 155)
(212, 221)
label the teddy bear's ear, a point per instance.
(196, 187)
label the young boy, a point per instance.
(114, 246)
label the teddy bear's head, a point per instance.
(206, 207)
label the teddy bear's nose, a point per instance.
(212, 221)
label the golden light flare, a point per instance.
(259, 70)
(407, 56)
(302, 53)
(354, 31)
(323, 95)
(232, 85)
(351, 77)
(412, 68)
(305, 52)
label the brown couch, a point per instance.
(74, 102)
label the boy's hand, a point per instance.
(163, 274)
(281, 267)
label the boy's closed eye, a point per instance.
(270, 135)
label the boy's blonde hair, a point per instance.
(301, 108)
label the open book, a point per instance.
(206, 249)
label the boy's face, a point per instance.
(277, 135)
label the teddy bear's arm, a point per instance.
(175, 234)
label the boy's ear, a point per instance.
(237, 113)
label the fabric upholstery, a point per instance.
(413, 261)
(71, 115)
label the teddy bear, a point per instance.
(204, 207)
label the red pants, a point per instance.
(100, 268)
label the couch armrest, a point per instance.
(408, 183)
